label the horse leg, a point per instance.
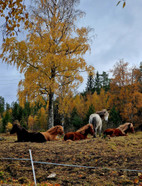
(95, 133)
(100, 129)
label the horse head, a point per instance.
(127, 127)
(130, 128)
(87, 129)
(106, 115)
(103, 114)
(14, 128)
(60, 129)
(91, 129)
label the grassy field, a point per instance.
(118, 152)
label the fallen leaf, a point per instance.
(136, 180)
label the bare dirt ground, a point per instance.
(118, 152)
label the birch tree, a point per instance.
(52, 51)
(13, 13)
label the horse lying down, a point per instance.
(80, 134)
(52, 133)
(127, 128)
(114, 132)
(24, 136)
(122, 130)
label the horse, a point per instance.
(52, 133)
(24, 136)
(80, 134)
(127, 127)
(114, 132)
(96, 120)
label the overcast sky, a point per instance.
(118, 35)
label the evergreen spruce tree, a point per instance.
(90, 83)
(91, 110)
(2, 103)
(114, 118)
(98, 85)
(105, 81)
(17, 111)
(76, 121)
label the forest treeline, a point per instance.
(121, 95)
(51, 57)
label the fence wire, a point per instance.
(71, 165)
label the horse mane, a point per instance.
(84, 128)
(53, 130)
(102, 112)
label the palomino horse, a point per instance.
(52, 133)
(114, 132)
(24, 136)
(80, 134)
(96, 120)
(127, 127)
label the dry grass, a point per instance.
(119, 152)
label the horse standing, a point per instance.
(96, 120)
(80, 134)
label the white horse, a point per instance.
(96, 120)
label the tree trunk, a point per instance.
(63, 120)
(50, 111)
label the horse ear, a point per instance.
(16, 122)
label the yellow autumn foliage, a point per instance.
(9, 126)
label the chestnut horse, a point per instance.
(127, 127)
(114, 132)
(80, 134)
(96, 120)
(24, 136)
(52, 133)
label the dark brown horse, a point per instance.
(114, 132)
(80, 134)
(24, 136)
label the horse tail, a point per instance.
(94, 122)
